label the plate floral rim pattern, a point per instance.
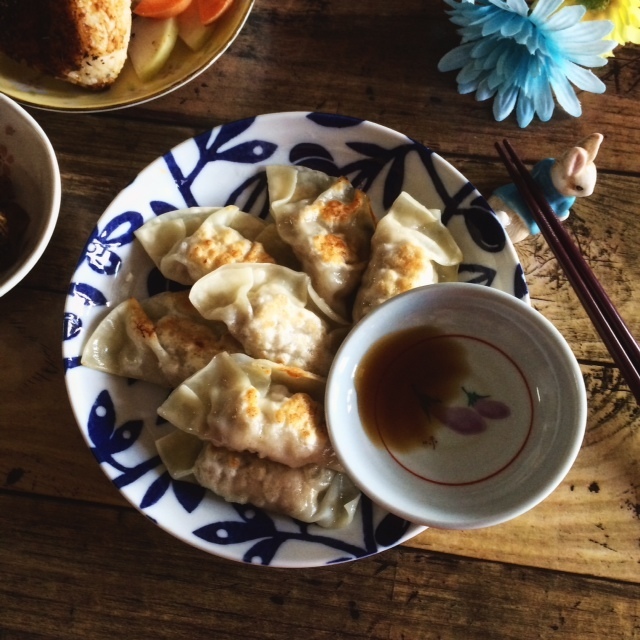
(226, 165)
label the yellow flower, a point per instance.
(625, 15)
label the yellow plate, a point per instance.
(35, 89)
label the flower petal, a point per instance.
(565, 18)
(530, 56)
(584, 79)
(504, 102)
(586, 32)
(484, 91)
(525, 111)
(544, 8)
(469, 73)
(565, 95)
(543, 101)
(456, 58)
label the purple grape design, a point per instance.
(466, 420)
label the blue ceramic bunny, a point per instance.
(571, 176)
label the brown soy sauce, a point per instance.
(400, 377)
(13, 225)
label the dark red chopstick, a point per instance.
(543, 214)
(609, 324)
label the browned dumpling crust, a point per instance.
(272, 312)
(246, 404)
(328, 224)
(160, 339)
(410, 248)
(310, 493)
(187, 244)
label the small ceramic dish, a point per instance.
(35, 89)
(456, 406)
(30, 187)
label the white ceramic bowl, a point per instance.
(27, 157)
(456, 406)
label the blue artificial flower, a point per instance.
(526, 57)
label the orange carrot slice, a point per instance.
(160, 8)
(211, 10)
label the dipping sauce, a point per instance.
(13, 225)
(403, 380)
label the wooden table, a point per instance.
(77, 561)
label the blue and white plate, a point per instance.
(225, 166)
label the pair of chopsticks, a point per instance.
(603, 314)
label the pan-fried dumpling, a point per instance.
(162, 339)
(410, 248)
(187, 244)
(272, 311)
(244, 404)
(328, 224)
(275, 246)
(310, 493)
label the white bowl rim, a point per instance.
(30, 260)
(335, 381)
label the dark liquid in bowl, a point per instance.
(401, 382)
(13, 225)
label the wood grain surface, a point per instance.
(96, 572)
(77, 561)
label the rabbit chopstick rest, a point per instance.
(571, 176)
